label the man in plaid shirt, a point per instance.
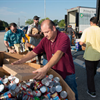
(13, 36)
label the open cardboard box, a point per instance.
(33, 66)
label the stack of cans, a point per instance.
(49, 88)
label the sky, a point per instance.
(19, 11)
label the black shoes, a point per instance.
(92, 94)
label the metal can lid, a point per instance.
(13, 87)
(63, 94)
(57, 79)
(16, 80)
(38, 93)
(46, 83)
(58, 88)
(1, 87)
(5, 80)
(28, 83)
(56, 83)
(29, 91)
(31, 80)
(52, 89)
(50, 76)
(10, 78)
(43, 81)
(43, 89)
(51, 84)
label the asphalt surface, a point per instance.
(80, 73)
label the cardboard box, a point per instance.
(34, 31)
(6, 55)
(33, 66)
(7, 58)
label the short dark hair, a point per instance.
(13, 24)
(94, 20)
(36, 18)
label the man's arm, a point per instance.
(54, 60)
(82, 43)
(9, 48)
(27, 57)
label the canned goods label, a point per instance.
(54, 95)
(56, 98)
(6, 95)
(47, 95)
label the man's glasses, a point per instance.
(36, 19)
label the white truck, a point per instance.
(79, 17)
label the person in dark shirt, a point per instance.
(70, 33)
(56, 45)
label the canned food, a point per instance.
(13, 86)
(44, 89)
(51, 84)
(56, 79)
(5, 81)
(1, 87)
(50, 76)
(46, 83)
(37, 93)
(54, 94)
(1, 81)
(29, 91)
(6, 95)
(47, 95)
(58, 88)
(63, 94)
(56, 98)
(52, 90)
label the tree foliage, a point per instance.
(61, 23)
(56, 22)
(42, 20)
(29, 21)
(3, 24)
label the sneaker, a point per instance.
(92, 94)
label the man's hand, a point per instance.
(17, 62)
(40, 73)
(12, 51)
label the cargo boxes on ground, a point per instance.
(6, 58)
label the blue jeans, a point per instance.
(70, 37)
(70, 80)
(45, 61)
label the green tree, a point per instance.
(61, 23)
(5, 24)
(56, 22)
(29, 21)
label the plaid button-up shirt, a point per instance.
(14, 38)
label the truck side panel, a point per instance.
(84, 18)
